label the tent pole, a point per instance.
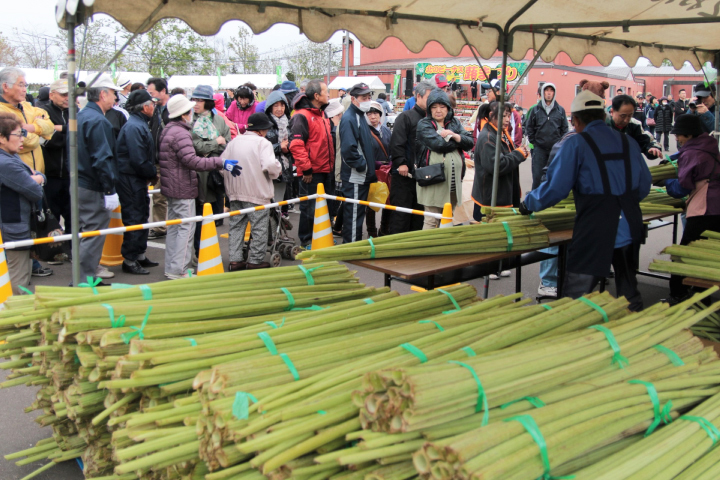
(73, 151)
(477, 58)
(498, 142)
(531, 65)
(717, 89)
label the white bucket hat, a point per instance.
(104, 81)
(179, 105)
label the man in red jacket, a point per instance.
(311, 145)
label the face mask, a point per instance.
(364, 106)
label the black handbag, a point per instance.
(430, 174)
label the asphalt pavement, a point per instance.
(18, 430)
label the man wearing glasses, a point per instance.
(621, 119)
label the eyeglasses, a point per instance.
(22, 85)
(22, 134)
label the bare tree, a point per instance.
(8, 56)
(243, 52)
(310, 60)
(33, 50)
(94, 42)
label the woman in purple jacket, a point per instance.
(179, 182)
(699, 180)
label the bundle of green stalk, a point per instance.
(313, 415)
(73, 401)
(480, 238)
(682, 450)
(699, 259)
(557, 219)
(659, 196)
(581, 420)
(395, 400)
(664, 172)
(708, 328)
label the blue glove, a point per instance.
(232, 167)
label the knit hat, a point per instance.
(178, 105)
(138, 97)
(258, 121)
(288, 86)
(687, 124)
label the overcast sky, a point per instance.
(38, 16)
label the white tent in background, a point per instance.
(374, 83)
(192, 81)
(262, 81)
(45, 76)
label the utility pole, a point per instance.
(46, 54)
(329, 62)
(347, 54)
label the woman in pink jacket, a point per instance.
(254, 187)
(240, 110)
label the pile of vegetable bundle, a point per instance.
(522, 235)
(664, 171)
(699, 259)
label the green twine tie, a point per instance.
(24, 290)
(433, 322)
(372, 248)
(534, 401)
(241, 405)
(595, 306)
(531, 427)
(415, 351)
(138, 331)
(189, 272)
(308, 273)
(546, 307)
(706, 425)
(269, 344)
(273, 325)
(617, 357)
(369, 301)
(659, 416)
(509, 236)
(146, 292)
(469, 351)
(291, 303)
(91, 284)
(482, 402)
(515, 211)
(192, 341)
(452, 299)
(118, 322)
(674, 357)
(290, 366)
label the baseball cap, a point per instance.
(359, 89)
(60, 86)
(586, 100)
(441, 81)
(702, 90)
(138, 97)
(104, 81)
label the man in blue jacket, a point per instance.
(97, 171)
(136, 167)
(609, 177)
(358, 156)
(705, 108)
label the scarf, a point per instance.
(282, 123)
(204, 127)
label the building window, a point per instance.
(612, 91)
(540, 87)
(666, 90)
(577, 90)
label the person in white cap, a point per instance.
(97, 173)
(125, 84)
(609, 177)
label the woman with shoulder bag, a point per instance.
(440, 140)
(381, 134)
(20, 190)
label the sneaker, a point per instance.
(545, 291)
(42, 272)
(505, 273)
(155, 234)
(494, 276)
(102, 272)
(59, 259)
(171, 276)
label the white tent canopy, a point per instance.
(604, 29)
(347, 82)
(45, 76)
(260, 80)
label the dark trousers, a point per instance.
(540, 158)
(625, 264)
(403, 193)
(371, 222)
(354, 214)
(57, 194)
(694, 227)
(135, 209)
(307, 209)
(666, 143)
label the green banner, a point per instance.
(55, 74)
(469, 73)
(278, 72)
(396, 85)
(113, 70)
(219, 74)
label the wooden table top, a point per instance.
(699, 282)
(409, 268)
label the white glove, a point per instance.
(112, 201)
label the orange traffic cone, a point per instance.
(5, 287)
(111, 256)
(447, 214)
(209, 258)
(322, 229)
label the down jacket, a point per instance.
(235, 113)
(179, 163)
(663, 118)
(18, 193)
(31, 153)
(311, 142)
(273, 135)
(508, 191)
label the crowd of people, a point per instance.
(235, 151)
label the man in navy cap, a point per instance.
(705, 108)
(358, 156)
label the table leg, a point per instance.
(388, 279)
(675, 228)
(562, 257)
(486, 287)
(518, 277)
(431, 282)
